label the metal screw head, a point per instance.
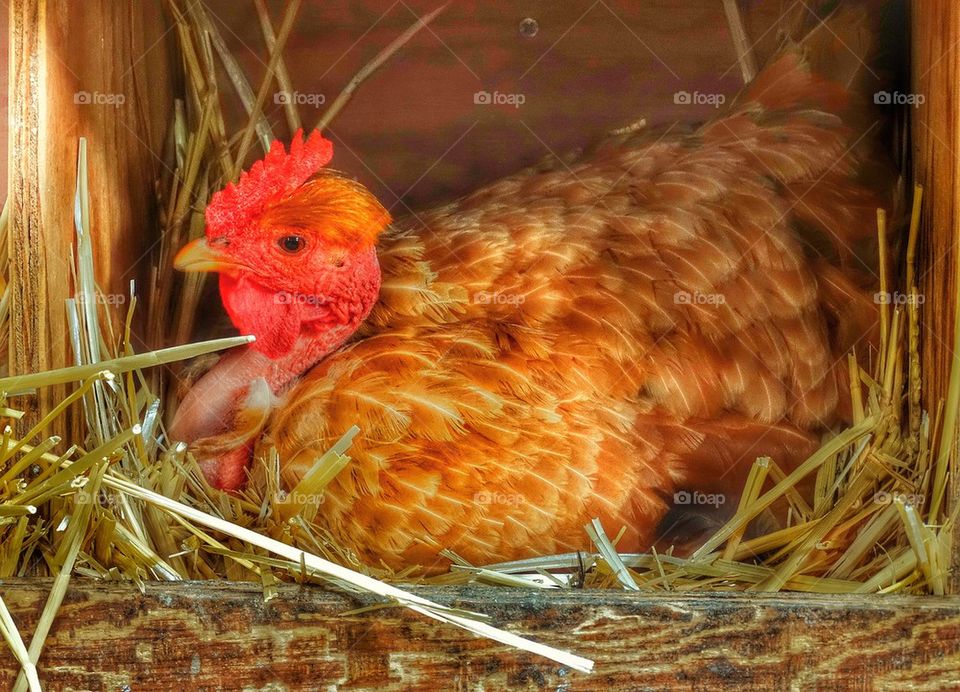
(529, 27)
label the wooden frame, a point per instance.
(202, 636)
(60, 61)
(936, 145)
(210, 635)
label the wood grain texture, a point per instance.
(98, 70)
(206, 636)
(413, 133)
(936, 154)
(5, 40)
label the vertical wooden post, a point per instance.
(96, 69)
(936, 154)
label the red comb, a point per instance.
(269, 180)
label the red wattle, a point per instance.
(255, 309)
(277, 318)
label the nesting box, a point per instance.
(108, 72)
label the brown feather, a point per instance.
(574, 343)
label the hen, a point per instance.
(574, 341)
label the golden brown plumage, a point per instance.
(583, 340)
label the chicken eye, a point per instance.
(292, 243)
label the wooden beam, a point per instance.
(936, 156)
(96, 69)
(216, 636)
(438, 143)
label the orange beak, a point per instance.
(198, 256)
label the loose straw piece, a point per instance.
(745, 56)
(283, 76)
(801, 551)
(237, 78)
(842, 440)
(914, 234)
(331, 569)
(19, 649)
(286, 26)
(948, 433)
(751, 491)
(72, 542)
(373, 66)
(19, 384)
(599, 537)
(886, 297)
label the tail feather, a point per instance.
(808, 121)
(832, 72)
(842, 49)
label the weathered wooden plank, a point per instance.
(414, 130)
(936, 144)
(99, 70)
(211, 636)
